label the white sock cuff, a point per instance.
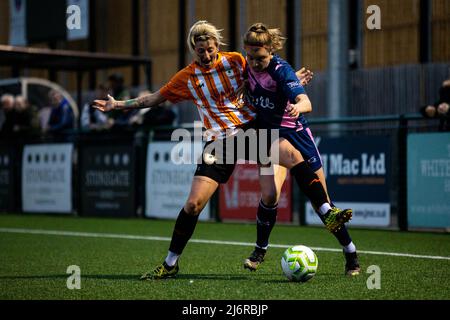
(264, 248)
(324, 208)
(350, 248)
(171, 258)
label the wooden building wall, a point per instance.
(271, 13)
(440, 26)
(163, 39)
(4, 33)
(214, 11)
(314, 26)
(396, 43)
(398, 40)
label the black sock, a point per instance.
(341, 235)
(266, 218)
(310, 184)
(182, 232)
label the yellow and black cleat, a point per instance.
(335, 218)
(352, 267)
(163, 271)
(256, 258)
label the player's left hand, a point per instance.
(103, 105)
(293, 110)
(304, 75)
(241, 93)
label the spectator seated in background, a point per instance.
(123, 120)
(117, 87)
(2, 111)
(26, 115)
(7, 114)
(156, 116)
(94, 119)
(42, 117)
(441, 109)
(6, 99)
(61, 117)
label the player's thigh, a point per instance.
(288, 156)
(271, 181)
(202, 189)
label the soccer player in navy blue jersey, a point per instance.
(280, 99)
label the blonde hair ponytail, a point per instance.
(202, 31)
(260, 36)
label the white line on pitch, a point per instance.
(231, 243)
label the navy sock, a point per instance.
(309, 183)
(266, 218)
(341, 235)
(182, 232)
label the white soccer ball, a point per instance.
(299, 263)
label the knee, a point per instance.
(290, 159)
(269, 199)
(294, 158)
(193, 207)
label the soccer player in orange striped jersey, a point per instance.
(212, 85)
(211, 81)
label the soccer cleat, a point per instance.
(352, 267)
(256, 258)
(335, 218)
(163, 271)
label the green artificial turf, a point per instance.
(33, 266)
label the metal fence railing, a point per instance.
(379, 91)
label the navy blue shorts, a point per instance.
(303, 141)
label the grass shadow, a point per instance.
(83, 276)
(130, 277)
(197, 276)
(322, 275)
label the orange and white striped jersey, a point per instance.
(214, 93)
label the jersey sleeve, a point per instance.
(241, 60)
(286, 78)
(176, 89)
(237, 59)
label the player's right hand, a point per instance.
(104, 105)
(304, 75)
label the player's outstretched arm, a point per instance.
(147, 101)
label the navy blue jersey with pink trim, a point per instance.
(271, 91)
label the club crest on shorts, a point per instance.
(209, 158)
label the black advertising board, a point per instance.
(7, 179)
(107, 181)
